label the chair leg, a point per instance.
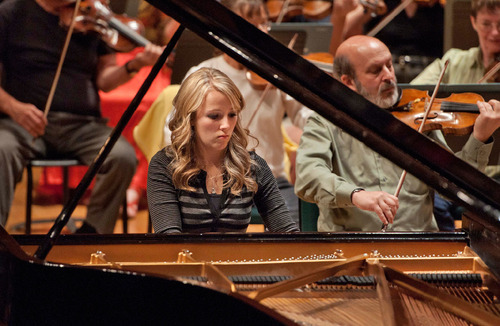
(65, 185)
(29, 198)
(125, 215)
(150, 224)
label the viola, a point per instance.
(455, 114)
(120, 32)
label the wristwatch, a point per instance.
(130, 71)
(355, 191)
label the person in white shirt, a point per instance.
(262, 119)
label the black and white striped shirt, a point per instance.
(173, 210)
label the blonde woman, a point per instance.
(206, 180)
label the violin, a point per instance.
(455, 114)
(120, 32)
(376, 7)
(317, 9)
(492, 71)
(430, 3)
(322, 60)
(256, 81)
(284, 10)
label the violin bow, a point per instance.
(390, 16)
(284, 9)
(420, 128)
(61, 60)
(490, 73)
(269, 85)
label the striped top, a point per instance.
(173, 210)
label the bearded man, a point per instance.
(353, 185)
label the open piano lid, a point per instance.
(373, 126)
(297, 77)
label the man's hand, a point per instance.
(383, 204)
(29, 117)
(488, 120)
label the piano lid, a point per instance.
(308, 84)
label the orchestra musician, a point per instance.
(206, 180)
(468, 67)
(354, 186)
(30, 49)
(265, 108)
(414, 36)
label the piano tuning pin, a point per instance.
(98, 258)
(339, 253)
(375, 253)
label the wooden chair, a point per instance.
(65, 164)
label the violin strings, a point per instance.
(459, 107)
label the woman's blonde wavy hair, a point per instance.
(190, 97)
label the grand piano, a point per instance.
(350, 278)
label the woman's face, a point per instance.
(487, 25)
(215, 122)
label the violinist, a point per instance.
(469, 66)
(30, 49)
(263, 115)
(414, 36)
(352, 185)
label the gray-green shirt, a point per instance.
(465, 67)
(331, 164)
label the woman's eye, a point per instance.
(213, 116)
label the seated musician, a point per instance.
(206, 180)
(30, 47)
(265, 109)
(352, 185)
(469, 66)
(414, 36)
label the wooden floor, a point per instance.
(43, 216)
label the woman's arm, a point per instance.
(162, 196)
(270, 202)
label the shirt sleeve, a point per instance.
(270, 202)
(316, 181)
(297, 112)
(476, 153)
(430, 75)
(162, 196)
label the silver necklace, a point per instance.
(214, 182)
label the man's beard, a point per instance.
(383, 102)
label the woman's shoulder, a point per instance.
(460, 54)
(164, 156)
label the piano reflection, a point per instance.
(392, 278)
